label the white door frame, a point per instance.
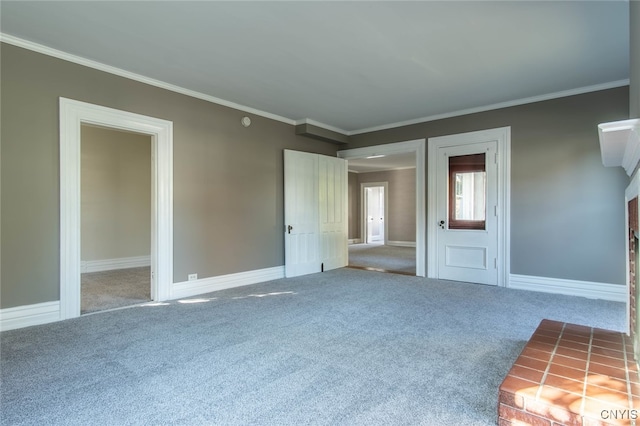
(363, 225)
(418, 147)
(72, 115)
(503, 137)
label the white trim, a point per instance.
(72, 115)
(88, 266)
(208, 285)
(363, 211)
(591, 290)
(45, 50)
(383, 169)
(354, 241)
(507, 104)
(401, 243)
(418, 147)
(503, 137)
(620, 144)
(25, 316)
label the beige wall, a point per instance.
(401, 217)
(115, 194)
(566, 208)
(228, 180)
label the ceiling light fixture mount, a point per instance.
(246, 121)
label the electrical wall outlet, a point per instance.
(193, 277)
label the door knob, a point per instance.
(289, 228)
(441, 224)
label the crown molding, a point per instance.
(16, 41)
(507, 104)
(45, 50)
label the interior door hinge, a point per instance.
(495, 210)
(495, 158)
(495, 263)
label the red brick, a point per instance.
(560, 413)
(518, 386)
(510, 399)
(513, 414)
(526, 373)
(532, 363)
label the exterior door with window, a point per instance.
(467, 237)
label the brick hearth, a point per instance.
(570, 374)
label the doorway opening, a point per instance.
(387, 207)
(74, 114)
(115, 218)
(374, 208)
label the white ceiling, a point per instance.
(350, 65)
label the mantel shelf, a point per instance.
(620, 144)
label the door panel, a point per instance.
(315, 196)
(302, 251)
(333, 211)
(467, 233)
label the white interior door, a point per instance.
(333, 212)
(467, 196)
(375, 214)
(315, 198)
(301, 200)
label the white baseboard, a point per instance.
(113, 264)
(43, 313)
(207, 285)
(25, 316)
(355, 241)
(401, 243)
(591, 290)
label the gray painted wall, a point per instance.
(634, 25)
(115, 194)
(401, 217)
(228, 180)
(566, 208)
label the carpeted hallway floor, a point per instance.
(379, 256)
(347, 347)
(115, 289)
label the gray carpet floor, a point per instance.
(345, 347)
(115, 289)
(390, 258)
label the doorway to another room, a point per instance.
(115, 218)
(73, 115)
(386, 212)
(374, 209)
(386, 207)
